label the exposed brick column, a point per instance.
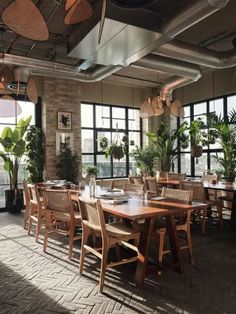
(59, 95)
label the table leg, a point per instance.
(145, 242)
(174, 243)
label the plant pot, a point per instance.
(118, 152)
(196, 151)
(14, 200)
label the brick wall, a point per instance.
(59, 95)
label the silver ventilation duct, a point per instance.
(197, 55)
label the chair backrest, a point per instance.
(177, 194)
(58, 201)
(209, 177)
(197, 189)
(134, 188)
(120, 183)
(106, 184)
(33, 192)
(136, 179)
(92, 214)
(177, 176)
(151, 184)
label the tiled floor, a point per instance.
(34, 282)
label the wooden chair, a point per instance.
(136, 179)
(177, 176)
(60, 216)
(212, 194)
(134, 188)
(27, 204)
(106, 184)
(114, 234)
(120, 183)
(184, 225)
(152, 186)
(200, 196)
(36, 209)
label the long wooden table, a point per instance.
(227, 187)
(137, 208)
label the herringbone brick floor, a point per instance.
(34, 282)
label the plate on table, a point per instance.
(158, 198)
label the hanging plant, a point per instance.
(118, 148)
(103, 142)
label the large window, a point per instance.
(196, 166)
(112, 122)
(21, 110)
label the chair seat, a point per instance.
(66, 216)
(117, 230)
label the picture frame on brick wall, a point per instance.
(64, 140)
(64, 120)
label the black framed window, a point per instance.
(196, 166)
(112, 122)
(21, 110)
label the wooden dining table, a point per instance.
(149, 209)
(226, 187)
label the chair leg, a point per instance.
(47, 222)
(26, 218)
(220, 213)
(71, 240)
(38, 226)
(161, 249)
(103, 268)
(204, 220)
(118, 256)
(84, 241)
(190, 246)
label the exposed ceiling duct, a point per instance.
(198, 55)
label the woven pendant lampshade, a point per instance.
(80, 11)
(31, 90)
(177, 109)
(69, 4)
(25, 19)
(146, 109)
(157, 105)
(9, 107)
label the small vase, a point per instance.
(92, 186)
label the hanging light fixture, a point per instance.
(31, 90)
(9, 107)
(155, 107)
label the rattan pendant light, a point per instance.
(146, 109)
(69, 4)
(176, 109)
(80, 11)
(31, 90)
(157, 105)
(25, 19)
(9, 107)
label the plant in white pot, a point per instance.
(13, 147)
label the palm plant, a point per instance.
(225, 135)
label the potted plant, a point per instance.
(225, 135)
(145, 159)
(165, 143)
(68, 165)
(197, 138)
(35, 154)
(118, 148)
(13, 148)
(91, 172)
(103, 142)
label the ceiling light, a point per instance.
(6, 75)
(9, 107)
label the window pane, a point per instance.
(214, 164)
(22, 171)
(103, 135)
(231, 103)
(132, 167)
(102, 117)
(4, 177)
(104, 166)
(186, 164)
(119, 167)
(200, 164)
(118, 113)
(86, 116)
(200, 111)
(134, 140)
(217, 106)
(87, 160)
(28, 109)
(87, 141)
(134, 119)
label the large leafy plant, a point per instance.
(225, 134)
(165, 142)
(145, 159)
(13, 148)
(68, 165)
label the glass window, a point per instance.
(186, 164)
(28, 109)
(128, 123)
(231, 103)
(87, 116)
(201, 165)
(102, 116)
(214, 164)
(217, 106)
(87, 141)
